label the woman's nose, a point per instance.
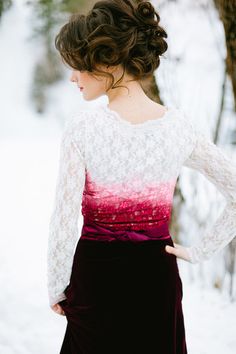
(72, 77)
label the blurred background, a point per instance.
(196, 74)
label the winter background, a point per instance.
(29, 153)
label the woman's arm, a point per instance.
(63, 228)
(219, 169)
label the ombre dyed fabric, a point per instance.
(92, 230)
(130, 205)
(124, 176)
(124, 295)
(120, 289)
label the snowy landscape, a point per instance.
(29, 153)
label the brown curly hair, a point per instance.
(114, 32)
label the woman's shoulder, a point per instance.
(185, 120)
(77, 121)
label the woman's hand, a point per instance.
(58, 309)
(179, 251)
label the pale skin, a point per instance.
(132, 105)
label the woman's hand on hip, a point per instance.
(179, 251)
(58, 309)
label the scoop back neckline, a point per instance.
(147, 123)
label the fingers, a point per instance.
(177, 251)
(170, 249)
(60, 312)
(58, 309)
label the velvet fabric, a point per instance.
(125, 295)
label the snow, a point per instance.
(29, 152)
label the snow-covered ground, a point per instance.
(29, 152)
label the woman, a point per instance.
(118, 284)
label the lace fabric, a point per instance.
(63, 228)
(211, 161)
(123, 175)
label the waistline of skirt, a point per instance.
(92, 231)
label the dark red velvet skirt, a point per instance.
(124, 297)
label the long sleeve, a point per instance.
(63, 227)
(207, 158)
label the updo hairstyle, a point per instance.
(114, 32)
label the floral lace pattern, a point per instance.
(208, 159)
(63, 228)
(106, 162)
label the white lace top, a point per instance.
(127, 172)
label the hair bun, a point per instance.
(133, 39)
(145, 9)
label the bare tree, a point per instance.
(227, 11)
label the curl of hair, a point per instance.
(114, 32)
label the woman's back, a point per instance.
(131, 169)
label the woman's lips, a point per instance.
(81, 88)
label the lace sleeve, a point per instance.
(219, 169)
(63, 232)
